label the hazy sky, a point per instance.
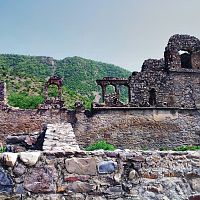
(122, 32)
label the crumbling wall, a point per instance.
(133, 128)
(26, 122)
(174, 80)
(153, 76)
(182, 43)
(100, 175)
(140, 128)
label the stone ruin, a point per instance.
(172, 81)
(63, 171)
(112, 99)
(53, 102)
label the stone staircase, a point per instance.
(60, 137)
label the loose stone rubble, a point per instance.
(142, 175)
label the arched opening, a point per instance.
(185, 59)
(110, 96)
(53, 92)
(124, 94)
(152, 97)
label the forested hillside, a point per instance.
(25, 77)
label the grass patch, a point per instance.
(181, 148)
(102, 144)
(2, 149)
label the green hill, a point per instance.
(25, 77)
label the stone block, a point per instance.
(80, 187)
(39, 180)
(30, 158)
(105, 167)
(9, 158)
(19, 170)
(195, 184)
(81, 166)
(6, 183)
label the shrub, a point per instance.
(181, 148)
(24, 101)
(186, 148)
(102, 144)
(2, 149)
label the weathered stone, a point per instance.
(9, 158)
(80, 187)
(6, 183)
(82, 166)
(95, 198)
(118, 177)
(39, 180)
(76, 178)
(19, 189)
(106, 167)
(19, 170)
(29, 158)
(195, 197)
(114, 189)
(133, 174)
(195, 184)
(135, 157)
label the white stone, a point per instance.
(30, 158)
(9, 158)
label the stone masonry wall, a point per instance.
(128, 128)
(100, 175)
(174, 80)
(23, 122)
(140, 128)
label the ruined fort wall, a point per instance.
(100, 175)
(22, 122)
(140, 128)
(186, 90)
(137, 128)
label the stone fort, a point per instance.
(162, 112)
(162, 108)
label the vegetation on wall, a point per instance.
(26, 75)
(182, 148)
(102, 144)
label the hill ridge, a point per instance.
(27, 74)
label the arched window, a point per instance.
(185, 59)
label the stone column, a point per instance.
(103, 87)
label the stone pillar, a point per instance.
(60, 93)
(45, 92)
(103, 87)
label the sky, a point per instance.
(121, 32)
